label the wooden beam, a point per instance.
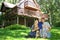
(3, 23)
(17, 20)
(25, 21)
(34, 19)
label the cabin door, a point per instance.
(29, 22)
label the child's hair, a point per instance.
(36, 28)
(43, 19)
(36, 24)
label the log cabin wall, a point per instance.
(21, 20)
(23, 13)
(20, 11)
(31, 13)
(27, 21)
(10, 17)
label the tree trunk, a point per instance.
(50, 19)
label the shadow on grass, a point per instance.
(14, 31)
(21, 33)
(55, 33)
(4, 33)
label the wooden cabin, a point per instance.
(24, 12)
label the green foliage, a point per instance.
(14, 31)
(57, 24)
(51, 7)
(55, 33)
(19, 34)
(16, 26)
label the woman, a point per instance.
(35, 31)
(46, 28)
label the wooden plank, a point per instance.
(25, 21)
(17, 20)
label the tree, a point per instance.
(52, 8)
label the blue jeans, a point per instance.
(48, 34)
(40, 32)
(32, 34)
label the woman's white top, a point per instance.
(46, 25)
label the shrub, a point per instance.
(16, 26)
(57, 24)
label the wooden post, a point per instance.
(34, 20)
(25, 21)
(17, 20)
(3, 23)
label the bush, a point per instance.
(16, 26)
(57, 24)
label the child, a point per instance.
(46, 28)
(40, 26)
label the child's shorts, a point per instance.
(48, 35)
(32, 34)
(44, 32)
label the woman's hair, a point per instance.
(36, 25)
(36, 21)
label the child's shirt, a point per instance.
(40, 25)
(46, 26)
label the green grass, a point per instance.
(18, 32)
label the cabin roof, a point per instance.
(21, 5)
(31, 4)
(8, 5)
(28, 4)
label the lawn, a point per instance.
(18, 32)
